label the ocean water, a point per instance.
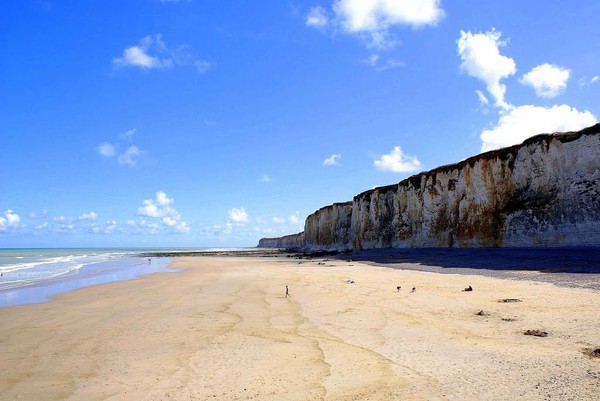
(35, 275)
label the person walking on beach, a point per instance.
(287, 292)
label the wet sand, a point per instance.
(222, 329)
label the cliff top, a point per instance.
(503, 153)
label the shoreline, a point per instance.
(222, 328)
(44, 290)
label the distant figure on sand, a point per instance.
(469, 288)
(414, 289)
(398, 288)
(287, 292)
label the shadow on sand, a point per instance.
(547, 260)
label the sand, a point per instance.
(221, 328)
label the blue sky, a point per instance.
(216, 123)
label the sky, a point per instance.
(214, 123)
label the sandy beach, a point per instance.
(221, 328)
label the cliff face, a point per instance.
(288, 241)
(544, 192)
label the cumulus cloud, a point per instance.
(106, 150)
(238, 215)
(130, 156)
(158, 207)
(153, 53)
(161, 208)
(88, 216)
(481, 58)
(332, 160)
(139, 55)
(547, 80)
(10, 220)
(278, 220)
(523, 122)
(316, 18)
(379, 15)
(371, 21)
(397, 162)
(179, 226)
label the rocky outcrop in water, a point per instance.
(543, 192)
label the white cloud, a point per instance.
(397, 162)
(265, 178)
(10, 219)
(390, 65)
(106, 228)
(375, 61)
(130, 156)
(482, 99)
(332, 160)
(153, 53)
(294, 219)
(179, 226)
(88, 216)
(129, 134)
(278, 220)
(585, 81)
(523, 122)
(160, 208)
(379, 15)
(317, 18)
(372, 60)
(110, 226)
(481, 59)
(182, 227)
(34, 215)
(138, 56)
(381, 40)
(548, 80)
(41, 227)
(238, 215)
(106, 150)
(202, 66)
(371, 21)
(162, 199)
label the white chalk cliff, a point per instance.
(543, 192)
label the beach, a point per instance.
(222, 328)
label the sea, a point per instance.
(36, 275)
